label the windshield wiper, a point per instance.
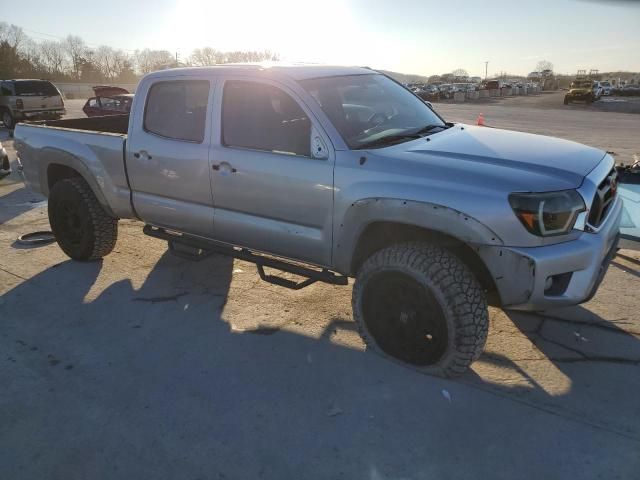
(399, 137)
(388, 140)
(428, 128)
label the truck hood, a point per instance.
(504, 159)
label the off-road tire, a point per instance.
(461, 299)
(89, 232)
(7, 119)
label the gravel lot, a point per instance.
(148, 366)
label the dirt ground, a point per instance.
(148, 366)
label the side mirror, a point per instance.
(319, 149)
(429, 105)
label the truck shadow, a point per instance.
(570, 360)
(17, 202)
(149, 370)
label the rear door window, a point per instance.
(177, 109)
(263, 117)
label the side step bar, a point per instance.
(199, 248)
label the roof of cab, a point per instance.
(293, 71)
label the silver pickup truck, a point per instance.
(335, 172)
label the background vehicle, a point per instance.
(464, 87)
(580, 90)
(629, 190)
(597, 90)
(606, 87)
(347, 173)
(629, 90)
(446, 90)
(108, 101)
(426, 92)
(491, 84)
(29, 99)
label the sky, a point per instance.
(410, 36)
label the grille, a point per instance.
(603, 199)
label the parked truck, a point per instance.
(336, 172)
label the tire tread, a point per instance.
(463, 297)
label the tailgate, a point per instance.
(32, 103)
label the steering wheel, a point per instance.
(376, 119)
(377, 122)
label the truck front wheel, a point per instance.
(83, 229)
(419, 304)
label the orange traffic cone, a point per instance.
(480, 120)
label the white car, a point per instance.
(606, 88)
(597, 90)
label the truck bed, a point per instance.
(107, 124)
(92, 147)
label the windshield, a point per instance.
(367, 108)
(35, 88)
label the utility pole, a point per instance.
(486, 69)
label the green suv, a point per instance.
(581, 90)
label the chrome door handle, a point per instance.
(224, 166)
(143, 154)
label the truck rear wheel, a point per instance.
(83, 229)
(419, 304)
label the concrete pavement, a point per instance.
(148, 366)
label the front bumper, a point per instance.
(579, 95)
(520, 274)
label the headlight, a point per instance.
(547, 214)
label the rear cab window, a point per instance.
(177, 109)
(6, 89)
(259, 116)
(35, 88)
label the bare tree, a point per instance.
(12, 34)
(460, 73)
(77, 50)
(104, 59)
(31, 54)
(206, 56)
(544, 65)
(150, 60)
(70, 58)
(53, 58)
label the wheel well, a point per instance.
(379, 235)
(57, 172)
